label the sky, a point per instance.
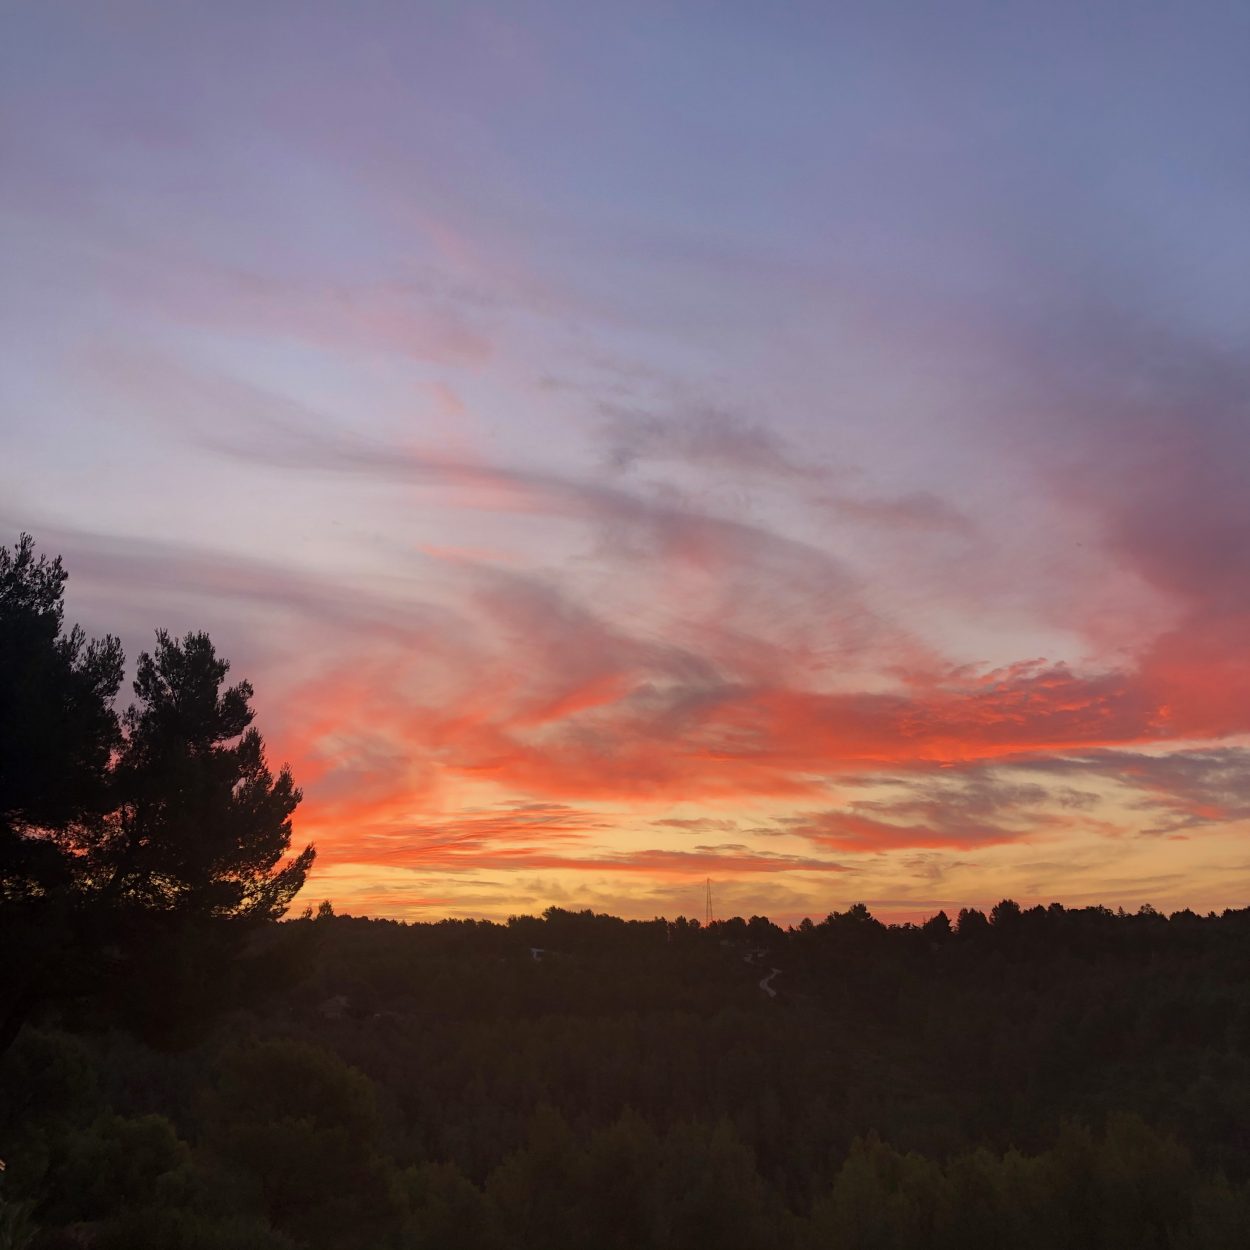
(798, 446)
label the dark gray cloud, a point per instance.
(981, 803)
(708, 438)
(698, 824)
(1181, 790)
(918, 511)
(936, 809)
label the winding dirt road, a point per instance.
(753, 957)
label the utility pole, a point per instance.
(707, 909)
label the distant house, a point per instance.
(537, 953)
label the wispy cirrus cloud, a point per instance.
(607, 510)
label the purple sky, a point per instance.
(804, 446)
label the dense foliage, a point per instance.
(1035, 1078)
(180, 1071)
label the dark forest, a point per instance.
(1045, 1077)
(182, 1068)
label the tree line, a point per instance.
(1060, 1078)
(184, 1071)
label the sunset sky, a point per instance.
(805, 446)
